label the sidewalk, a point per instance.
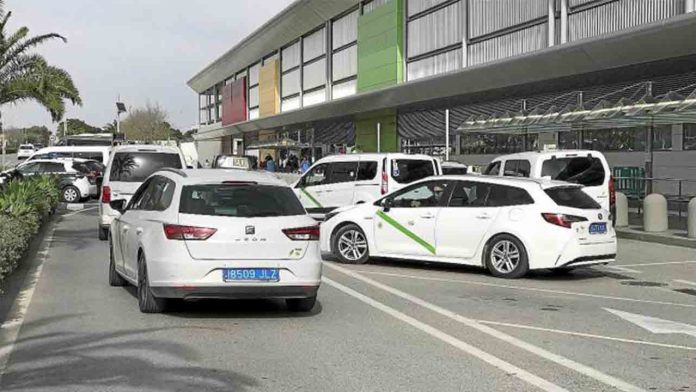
(669, 237)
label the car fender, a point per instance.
(517, 231)
(360, 215)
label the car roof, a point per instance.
(548, 154)
(146, 148)
(73, 148)
(522, 182)
(63, 161)
(371, 156)
(202, 176)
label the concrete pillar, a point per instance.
(690, 6)
(621, 210)
(564, 22)
(552, 23)
(692, 218)
(655, 213)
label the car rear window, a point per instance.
(242, 201)
(26, 147)
(405, 171)
(587, 171)
(137, 166)
(81, 167)
(573, 197)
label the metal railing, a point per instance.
(677, 191)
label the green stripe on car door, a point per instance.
(310, 197)
(408, 233)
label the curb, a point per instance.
(656, 238)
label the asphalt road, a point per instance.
(386, 326)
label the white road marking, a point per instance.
(690, 283)
(9, 330)
(558, 359)
(74, 206)
(623, 269)
(449, 339)
(537, 289)
(655, 264)
(654, 324)
(585, 335)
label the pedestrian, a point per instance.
(304, 166)
(270, 164)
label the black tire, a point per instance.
(355, 249)
(512, 263)
(147, 302)
(71, 194)
(115, 280)
(301, 304)
(103, 233)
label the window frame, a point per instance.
(444, 199)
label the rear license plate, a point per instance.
(250, 274)
(598, 228)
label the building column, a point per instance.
(690, 6)
(677, 137)
(564, 21)
(552, 23)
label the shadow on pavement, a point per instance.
(133, 359)
(77, 239)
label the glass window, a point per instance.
(501, 196)
(618, 139)
(435, 31)
(137, 166)
(29, 168)
(690, 136)
(314, 45)
(314, 75)
(345, 89)
(367, 170)
(373, 5)
(290, 57)
(435, 65)
(573, 197)
(586, 171)
(568, 140)
(662, 138)
(418, 6)
(288, 104)
(428, 194)
(517, 168)
(493, 169)
(486, 143)
(343, 172)
(141, 195)
(52, 167)
(345, 63)
(469, 194)
(254, 97)
(254, 71)
(161, 195)
(405, 171)
(95, 155)
(313, 98)
(81, 167)
(290, 83)
(345, 30)
(242, 201)
(316, 176)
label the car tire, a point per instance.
(115, 280)
(71, 194)
(103, 233)
(147, 302)
(301, 304)
(349, 245)
(506, 257)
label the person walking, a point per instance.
(304, 166)
(270, 164)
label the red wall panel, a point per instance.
(234, 102)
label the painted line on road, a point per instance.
(655, 264)
(585, 335)
(623, 269)
(540, 352)
(449, 339)
(537, 289)
(682, 281)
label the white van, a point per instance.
(96, 153)
(584, 167)
(127, 169)
(343, 180)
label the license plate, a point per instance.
(250, 274)
(598, 228)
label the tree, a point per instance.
(33, 135)
(146, 124)
(76, 127)
(111, 127)
(26, 76)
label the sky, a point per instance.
(143, 50)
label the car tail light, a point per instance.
(192, 233)
(106, 194)
(612, 191)
(310, 233)
(562, 219)
(384, 189)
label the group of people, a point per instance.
(291, 164)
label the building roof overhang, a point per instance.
(639, 52)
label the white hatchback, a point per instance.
(509, 226)
(195, 234)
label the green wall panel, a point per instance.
(380, 47)
(366, 134)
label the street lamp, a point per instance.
(120, 108)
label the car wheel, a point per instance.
(506, 257)
(146, 301)
(115, 280)
(71, 194)
(301, 304)
(103, 233)
(350, 245)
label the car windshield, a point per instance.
(242, 201)
(137, 166)
(573, 197)
(587, 171)
(405, 171)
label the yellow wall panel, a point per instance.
(269, 89)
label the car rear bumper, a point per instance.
(578, 255)
(235, 292)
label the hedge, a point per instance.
(23, 207)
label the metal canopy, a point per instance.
(618, 109)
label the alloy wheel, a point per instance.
(352, 245)
(505, 256)
(70, 195)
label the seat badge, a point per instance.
(250, 230)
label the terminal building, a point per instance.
(466, 79)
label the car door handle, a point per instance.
(428, 216)
(483, 216)
(328, 191)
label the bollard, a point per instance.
(621, 210)
(692, 218)
(655, 213)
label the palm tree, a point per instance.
(26, 76)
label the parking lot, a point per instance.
(384, 326)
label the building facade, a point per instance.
(388, 75)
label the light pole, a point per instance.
(120, 108)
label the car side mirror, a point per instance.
(189, 166)
(386, 205)
(118, 205)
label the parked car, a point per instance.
(128, 167)
(344, 180)
(25, 150)
(453, 168)
(97, 153)
(74, 184)
(194, 234)
(94, 170)
(509, 226)
(584, 167)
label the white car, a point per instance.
(75, 184)
(193, 234)
(509, 226)
(344, 180)
(25, 151)
(97, 153)
(584, 167)
(127, 168)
